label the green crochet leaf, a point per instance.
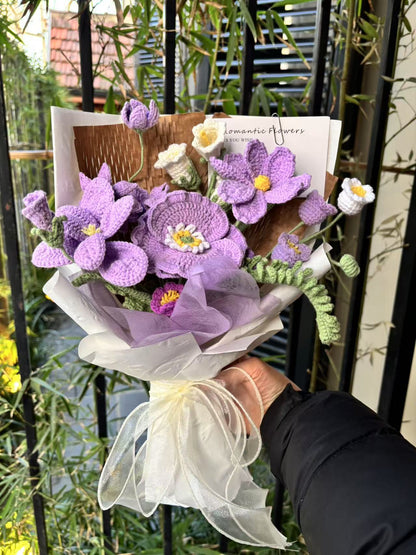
(193, 183)
(278, 272)
(86, 277)
(133, 299)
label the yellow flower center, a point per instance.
(169, 297)
(185, 237)
(358, 190)
(91, 229)
(207, 137)
(262, 182)
(294, 247)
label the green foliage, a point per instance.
(277, 272)
(206, 32)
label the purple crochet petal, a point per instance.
(251, 212)
(279, 194)
(90, 253)
(279, 166)
(153, 115)
(105, 173)
(188, 208)
(140, 234)
(304, 179)
(45, 256)
(134, 115)
(78, 219)
(123, 188)
(70, 245)
(37, 210)
(315, 209)
(237, 237)
(172, 263)
(288, 249)
(158, 295)
(158, 194)
(98, 195)
(84, 181)
(124, 264)
(229, 249)
(235, 191)
(115, 216)
(255, 155)
(232, 167)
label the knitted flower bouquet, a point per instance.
(154, 243)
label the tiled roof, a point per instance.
(64, 50)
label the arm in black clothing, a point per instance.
(351, 478)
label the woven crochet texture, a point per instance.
(315, 210)
(119, 147)
(187, 208)
(252, 180)
(276, 271)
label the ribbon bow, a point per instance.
(196, 454)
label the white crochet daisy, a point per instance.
(354, 196)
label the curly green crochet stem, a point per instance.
(278, 272)
(131, 178)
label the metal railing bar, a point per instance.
(402, 335)
(167, 530)
(170, 56)
(375, 156)
(323, 16)
(223, 544)
(87, 82)
(87, 79)
(14, 269)
(248, 61)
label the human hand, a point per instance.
(269, 382)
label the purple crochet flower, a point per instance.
(252, 181)
(86, 232)
(37, 210)
(140, 196)
(157, 194)
(136, 116)
(186, 229)
(120, 189)
(288, 249)
(164, 298)
(315, 209)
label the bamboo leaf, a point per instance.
(290, 39)
(248, 19)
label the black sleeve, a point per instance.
(351, 477)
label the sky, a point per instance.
(100, 6)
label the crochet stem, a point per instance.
(141, 156)
(322, 231)
(298, 226)
(211, 185)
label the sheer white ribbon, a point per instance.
(196, 454)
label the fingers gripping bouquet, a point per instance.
(155, 262)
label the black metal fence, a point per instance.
(402, 336)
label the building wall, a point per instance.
(392, 206)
